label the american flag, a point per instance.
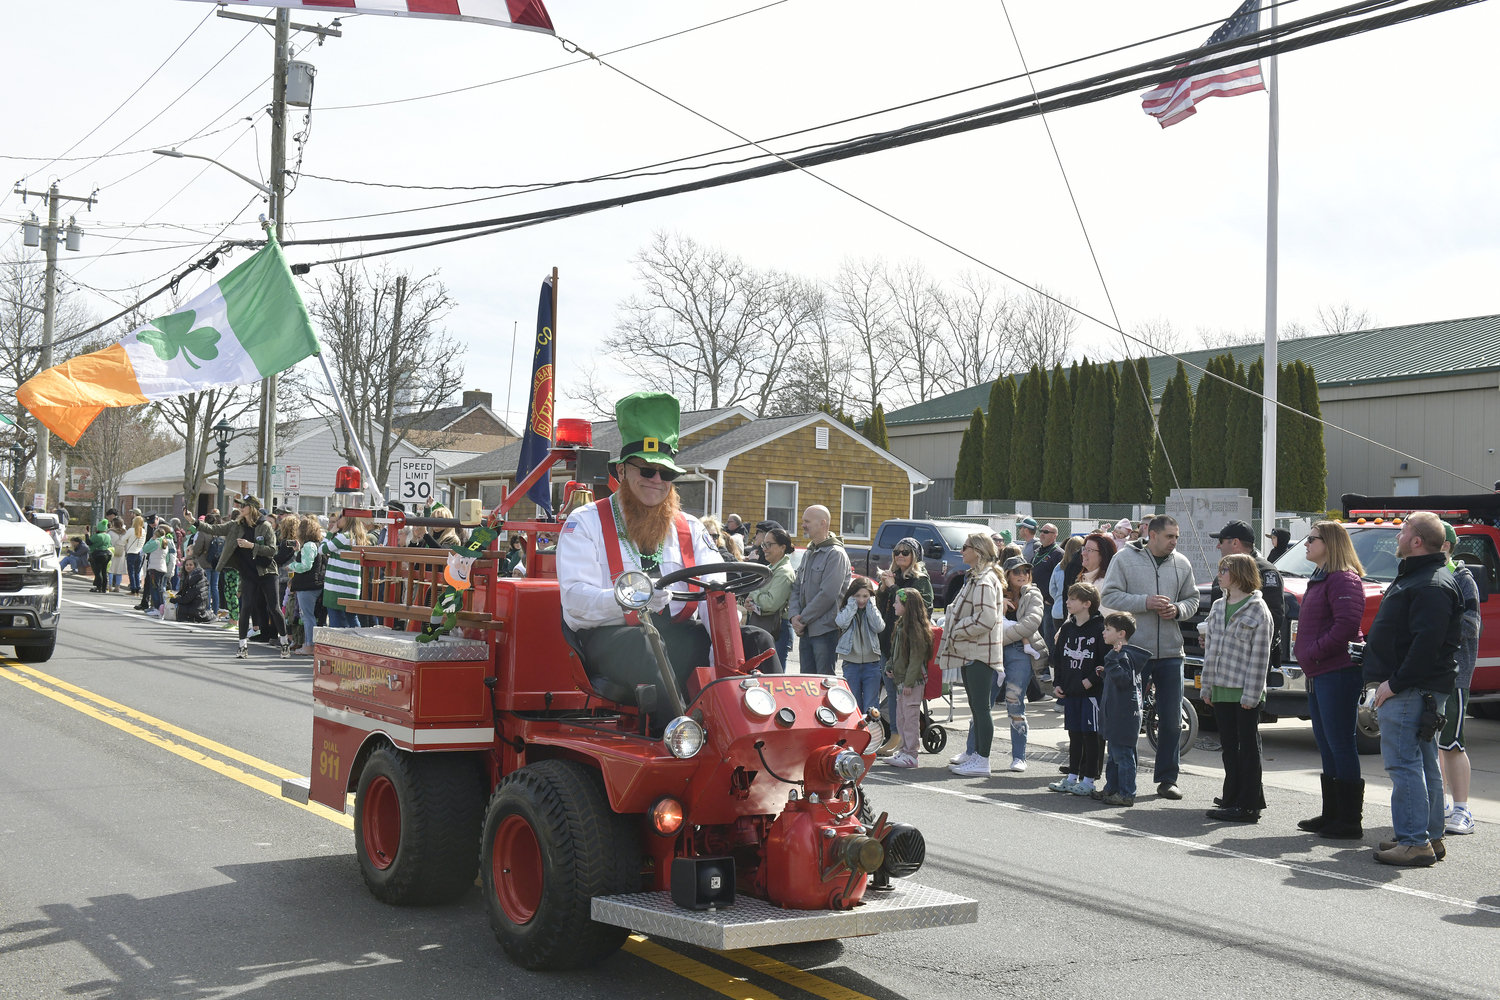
(1173, 101)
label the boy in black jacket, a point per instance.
(1079, 673)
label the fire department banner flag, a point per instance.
(528, 14)
(536, 439)
(250, 324)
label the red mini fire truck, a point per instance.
(741, 822)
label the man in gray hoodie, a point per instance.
(818, 592)
(1153, 581)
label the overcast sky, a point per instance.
(1390, 154)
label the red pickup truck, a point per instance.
(1373, 523)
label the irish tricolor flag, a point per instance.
(249, 325)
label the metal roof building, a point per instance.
(1429, 389)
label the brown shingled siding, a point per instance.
(821, 475)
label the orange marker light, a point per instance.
(665, 816)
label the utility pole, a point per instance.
(265, 450)
(51, 237)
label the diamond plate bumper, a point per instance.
(403, 645)
(755, 923)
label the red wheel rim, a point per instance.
(381, 823)
(517, 866)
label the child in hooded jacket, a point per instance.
(1079, 674)
(860, 623)
(1120, 708)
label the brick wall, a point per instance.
(820, 476)
(476, 421)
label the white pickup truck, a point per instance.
(30, 582)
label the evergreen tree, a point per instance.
(997, 436)
(1175, 422)
(1290, 436)
(874, 428)
(1057, 460)
(1314, 454)
(968, 478)
(1106, 391)
(1085, 440)
(1073, 383)
(1130, 465)
(1211, 422)
(838, 414)
(1029, 437)
(1245, 430)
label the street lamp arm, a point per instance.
(263, 188)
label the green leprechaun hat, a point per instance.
(648, 423)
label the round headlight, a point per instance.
(633, 590)
(842, 700)
(760, 702)
(683, 736)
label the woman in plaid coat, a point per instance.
(1236, 655)
(972, 646)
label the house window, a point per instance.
(1406, 486)
(820, 438)
(692, 496)
(490, 495)
(855, 506)
(781, 504)
(160, 506)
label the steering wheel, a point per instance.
(750, 576)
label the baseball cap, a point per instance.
(768, 525)
(1027, 522)
(1235, 529)
(1016, 562)
(1451, 535)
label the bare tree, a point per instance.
(981, 332)
(1224, 338)
(861, 303)
(821, 371)
(1045, 326)
(120, 439)
(696, 328)
(390, 358)
(917, 306)
(795, 308)
(1157, 336)
(1344, 318)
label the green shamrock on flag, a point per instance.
(175, 333)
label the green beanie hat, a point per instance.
(648, 424)
(102, 526)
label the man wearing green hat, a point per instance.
(100, 553)
(640, 527)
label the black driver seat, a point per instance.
(602, 686)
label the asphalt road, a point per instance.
(146, 854)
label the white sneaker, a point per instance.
(961, 758)
(1461, 822)
(1447, 810)
(976, 767)
(903, 760)
(1017, 764)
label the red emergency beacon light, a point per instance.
(574, 433)
(347, 480)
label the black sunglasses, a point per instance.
(651, 472)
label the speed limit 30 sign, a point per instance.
(416, 480)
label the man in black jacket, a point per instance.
(1043, 562)
(1410, 651)
(1236, 537)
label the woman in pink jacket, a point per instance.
(1329, 620)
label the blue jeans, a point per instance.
(339, 618)
(133, 569)
(307, 605)
(1333, 702)
(864, 682)
(1119, 772)
(1166, 674)
(77, 562)
(784, 643)
(1019, 667)
(213, 587)
(1416, 781)
(818, 653)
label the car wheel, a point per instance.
(1366, 730)
(416, 825)
(37, 654)
(551, 843)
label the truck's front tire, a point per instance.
(416, 825)
(37, 654)
(551, 844)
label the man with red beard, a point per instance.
(640, 527)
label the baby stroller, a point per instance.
(934, 735)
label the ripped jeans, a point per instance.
(1019, 667)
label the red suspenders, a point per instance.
(617, 565)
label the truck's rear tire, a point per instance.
(416, 825)
(551, 844)
(37, 654)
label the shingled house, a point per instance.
(757, 467)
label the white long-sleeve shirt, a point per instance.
(588, 594)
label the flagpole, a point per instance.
(1268, 405)
(554, 355)
(359, 448)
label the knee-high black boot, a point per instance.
(1349, 800)
(1329, 808)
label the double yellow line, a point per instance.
(223, 760)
